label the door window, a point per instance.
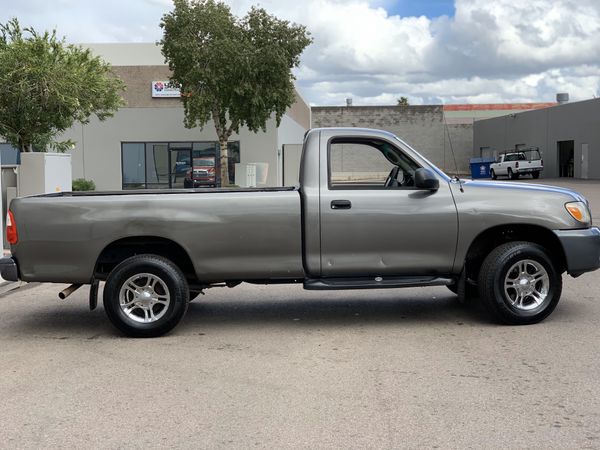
(157, 165)
(181, 164)
(133, 166)
(369, 164)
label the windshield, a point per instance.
(439, 171)
(210, 162)
(525, 155)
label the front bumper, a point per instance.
(8, 269)
(582, 249)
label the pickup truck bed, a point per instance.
(254, 234)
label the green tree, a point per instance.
(403, 101)
(235, 71)
(46, 85)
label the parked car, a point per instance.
(202, 173)
(515, 164)
(340, 229)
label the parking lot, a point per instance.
(279, 367)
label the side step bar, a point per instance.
(321, 284)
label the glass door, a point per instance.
(180, 166)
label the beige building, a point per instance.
(145, 144)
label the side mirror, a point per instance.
(426, 179)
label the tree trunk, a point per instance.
(224, 163)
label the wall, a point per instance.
(138, 80)
(422, 127)
(461, 141)
(544, 129)
(289, 133)
(97, 154)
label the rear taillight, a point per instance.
(517, 164)
(542, 161)
(11, 228)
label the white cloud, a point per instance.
(490, 51)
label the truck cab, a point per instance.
(369, 194)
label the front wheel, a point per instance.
(493, 174)
(146, 296)
(519, 284)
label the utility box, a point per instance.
(43, 173)
(245, 175)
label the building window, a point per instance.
(9, 155)
(169, 165)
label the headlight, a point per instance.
(579, 211)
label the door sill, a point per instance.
(323, 284)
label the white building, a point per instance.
(145, 144)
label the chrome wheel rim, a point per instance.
(526, 285)
(144, 298)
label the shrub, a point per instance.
(81, 184)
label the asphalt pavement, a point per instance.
(279, 367)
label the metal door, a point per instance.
(394, 231)
(585, 158)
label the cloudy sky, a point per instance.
(431, 51)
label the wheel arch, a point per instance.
(492, 237)
(121, 249)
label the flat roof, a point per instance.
(128, 53)
(498, 106)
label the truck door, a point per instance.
(373, 219)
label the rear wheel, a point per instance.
(535, 175)
(493, 174)
(511, 174)
(146, 296)
(519, 284)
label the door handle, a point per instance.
(341, 204)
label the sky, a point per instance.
(375, 51)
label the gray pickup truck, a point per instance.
(370, 212)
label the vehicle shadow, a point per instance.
(324, 312)
(73, 320)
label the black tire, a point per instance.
(493, 275)
(493, 174)
(510, 174)
(170, 277)
(535, 175)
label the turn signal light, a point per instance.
(11, 229)
(578, 211)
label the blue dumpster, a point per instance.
(480, 167)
